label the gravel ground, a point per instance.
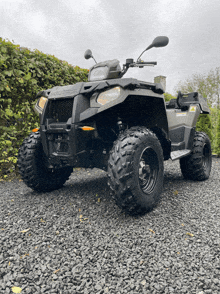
(76, 240)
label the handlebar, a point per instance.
(130, 63)
(147, 63)
(142, 64)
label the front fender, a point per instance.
(143, 105)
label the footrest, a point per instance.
(180, 153)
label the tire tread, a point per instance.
(191, 165)
(121, 166)
(32, 169)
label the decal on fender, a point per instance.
(181, 114)
(192, 109)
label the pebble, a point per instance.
(110, 252)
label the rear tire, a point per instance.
(197, 166)
(32, 168)
(135, 170)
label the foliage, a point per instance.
(204, 124)
(208, 85)
(168, 97)
(23, 73)
(214, 118)
(211, 127)
(217, 141)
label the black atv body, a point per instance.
(69, 108)
(120, 125)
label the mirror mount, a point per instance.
(161, 41)
(88, 55)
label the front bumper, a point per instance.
(65, 144)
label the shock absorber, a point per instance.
(121, 126)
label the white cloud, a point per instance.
(119, 29)
(37, 23)
(11, 3)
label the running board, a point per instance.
(180, 153)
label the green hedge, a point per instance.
(217, 134)
(210, 127)
(204, 124)
(23, 73)
(168, 97)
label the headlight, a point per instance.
(109, 95)
(99, 73)
(40, 104)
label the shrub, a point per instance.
(217, 141)
(168, 97)
(204, 124)
(23, 73)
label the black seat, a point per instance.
(183, 101)
(180, 101)
(171, 104)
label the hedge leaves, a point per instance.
(23, 73)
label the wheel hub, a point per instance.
(148, 170)
(206, 156)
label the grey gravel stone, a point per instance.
(76, 244)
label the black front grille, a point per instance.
(59, 110)
(58, 143)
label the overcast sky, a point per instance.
(120, 29)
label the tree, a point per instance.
(208, 85)
(204, 124)
(168, 97)
(217, 142)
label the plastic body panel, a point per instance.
(64, 92)
(177, 118)
(138, 102)
(182, 126)
(185, 100)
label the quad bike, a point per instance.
(123, 126)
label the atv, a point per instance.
(120, 125)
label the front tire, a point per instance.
(197, 166)
(32, 168)
(135, 170)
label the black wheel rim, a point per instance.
(148, 170)
(206, 156)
